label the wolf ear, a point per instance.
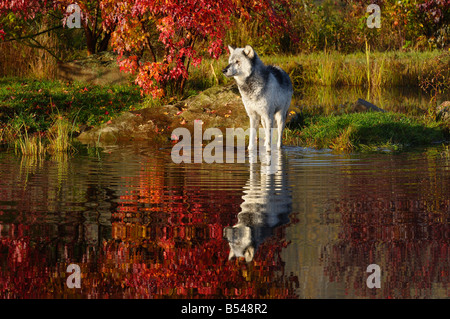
(248, 51)
(231, 254)
(249, 253)
(231, 49)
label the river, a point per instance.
(140, 226)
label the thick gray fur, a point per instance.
(266, 92)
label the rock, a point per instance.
(146, 124)
(218, 107)
(443, 112)
(364, 106)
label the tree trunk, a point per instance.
(103, 45)
(91, 41)
(183, 80)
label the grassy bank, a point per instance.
(363, 69)
(42, 116)
(372, 131)
(35, 103)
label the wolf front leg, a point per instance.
(254, 123)
(268, 125)
(280, 118)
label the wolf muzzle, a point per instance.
(225, 71)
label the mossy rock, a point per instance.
(443, 112)
(127, 127)
(218, 107)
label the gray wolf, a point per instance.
(267, 205)
(266, 92)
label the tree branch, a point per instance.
(97, 10)
(40, 46)
(33, 35)
(147, 40)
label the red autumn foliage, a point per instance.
(179, 254)
(184, 31)
(175, 34)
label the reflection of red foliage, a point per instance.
(408, 237)
(167, 268)
(198, 271)
(186, 255)
(22, 273)
(166, 243)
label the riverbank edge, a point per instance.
(221, 107)
(353, 129)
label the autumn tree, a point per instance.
(97, 28)
(159, 40)
(22, 20)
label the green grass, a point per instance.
(59, 136)
(331, 68)
(31, 110)
(39, 117)
(58, 139)
(370, 131)
(27, 144)
(36, 103)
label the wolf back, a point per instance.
(257, 83)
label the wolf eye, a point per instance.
(238, 62)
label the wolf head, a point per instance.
(240, 62)
(240, 239)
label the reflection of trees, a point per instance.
(400, 223)
(49, 217)
(165, 239)
(178, 251)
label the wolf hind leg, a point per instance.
(280, 119)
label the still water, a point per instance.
(140, 226)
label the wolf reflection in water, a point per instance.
(267, 205)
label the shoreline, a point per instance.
(30, 110)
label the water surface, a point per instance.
(140, 226)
